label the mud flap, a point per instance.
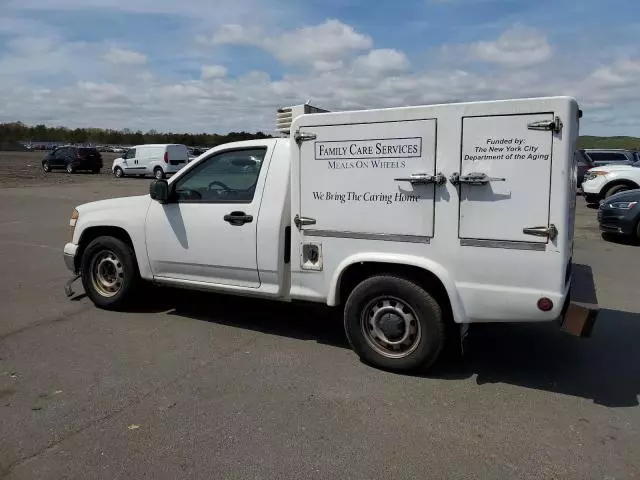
(67, 286)
(581, 306)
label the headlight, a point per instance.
(72, 224)
(591, 175)
(623, 205)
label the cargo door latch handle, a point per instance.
(551, 232)
(301, 221)
(423, 179)
(474, 178)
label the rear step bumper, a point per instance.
(581, 306)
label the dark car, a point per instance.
(587, 158)
(73, 159)
(620, 214)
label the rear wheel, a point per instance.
(118, 172)
(616, 189)
(158, 173)
(46, 167)
(109, 273)
(70, 168)
(394, 324)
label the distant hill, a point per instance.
(632, 143)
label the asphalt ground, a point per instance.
(192, 385)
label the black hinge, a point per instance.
(545, 125)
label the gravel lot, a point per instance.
(18, 169)
(203, 386)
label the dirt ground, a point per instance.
(25, 169)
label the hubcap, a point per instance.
(118, 172)
(69, 168)
(45, 167)
(107, 273)
(390, 327)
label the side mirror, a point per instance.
(159, 191)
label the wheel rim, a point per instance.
(390, 327)
(45, 166)
(107, 273)
(118, 172)
(69, 168)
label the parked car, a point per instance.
(603, 182)
(158, 160)
(73, 159)
(620, 214)
(588, 158)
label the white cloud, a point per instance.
(119, 56)
(383, 61)
(213, 71)
(324, 45)
(518, 46)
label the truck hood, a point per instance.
(123, 203)
(612, 168)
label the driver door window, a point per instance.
(130, 154)
(225, 177)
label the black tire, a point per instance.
(121, 259)
(427, 313)
(637, 236)
(118, 172)
(95, 171)
(616, 189)
(158, 173)
(70, 168)
(46, 167)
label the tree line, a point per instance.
(19, 132)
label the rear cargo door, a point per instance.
(505, 179)
(369, 180)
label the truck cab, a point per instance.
(411, 220)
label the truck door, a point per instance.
(369, 180)
(505, 180)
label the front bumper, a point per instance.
(591, 197)
(616, 221)
(70, 250)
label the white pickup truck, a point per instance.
(409, 219)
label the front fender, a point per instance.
(459, 314)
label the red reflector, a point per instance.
(166, 157)
(545, 304)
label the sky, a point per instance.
(214, 66)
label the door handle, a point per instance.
(474, 178)
(423, 179)
(238, 218)
(551, 232)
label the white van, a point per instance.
(158, 160)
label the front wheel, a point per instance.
(70, 168)
(118, 172)
(394, 324)
(46, 167)
(109, 272)
(616, 189)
